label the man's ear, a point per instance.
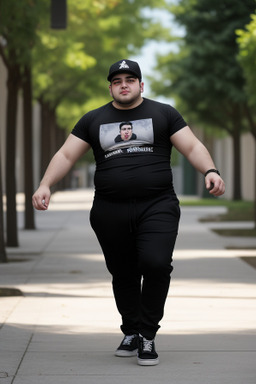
(142, 87)
(110, 90)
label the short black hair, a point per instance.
(125, 123)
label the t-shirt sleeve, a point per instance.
(80, 129)
(177, 121)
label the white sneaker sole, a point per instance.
(122, 353)
(148, 362)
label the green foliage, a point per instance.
(70, 66)
(204, 75)
(18, 23)
(235, 207)
(247, 56)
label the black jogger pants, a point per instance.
(137, 237)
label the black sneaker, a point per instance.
(147, 354)
(128, 346)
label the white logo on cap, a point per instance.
(123, 65)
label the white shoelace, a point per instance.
(147, 345)
(128, 339)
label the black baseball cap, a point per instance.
(124, 66)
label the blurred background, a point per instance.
(197, 55)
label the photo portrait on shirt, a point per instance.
(126, 134)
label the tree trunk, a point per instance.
(46, 144)
(13, 82)
(254, 185)
(237, 195)
(52, 138)
(3, 257)
(28, 151)
(65, 183)
(252, 125)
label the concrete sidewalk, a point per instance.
(65, 327)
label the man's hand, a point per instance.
(41, 198)
(214, 184)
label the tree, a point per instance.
(28, 153)
(247, 58)
(205, 74)
(70, 66)
(13, 84)
(17, 27)
(3, 257)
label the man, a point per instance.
(135, 212)
(126, 133)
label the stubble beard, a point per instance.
(126, 103)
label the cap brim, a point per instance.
(121, 71)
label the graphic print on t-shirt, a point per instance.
(126, 134)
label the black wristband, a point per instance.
(212, 170)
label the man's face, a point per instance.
(126, 90)
(126, 132)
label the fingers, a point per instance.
(215, 185)
(39, 203)
(41, 199)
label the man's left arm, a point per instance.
(188, 144)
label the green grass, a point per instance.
(236, 210)
(250, 260)
(241, 232)
(10, 292)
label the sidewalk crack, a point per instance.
(22, 358)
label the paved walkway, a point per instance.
(65, 327)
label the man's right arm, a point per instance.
(59, 166)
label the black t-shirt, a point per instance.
(138, 166)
